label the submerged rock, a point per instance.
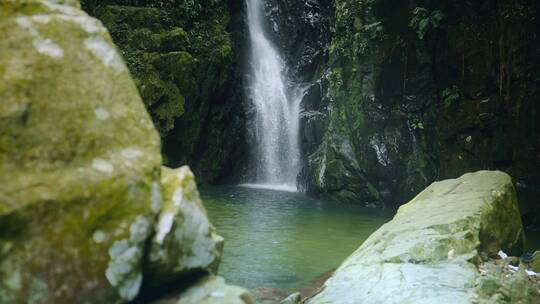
(185, 241)
(268, 295)
(427, 253)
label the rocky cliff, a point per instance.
(424, 90)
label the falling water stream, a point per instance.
(277, 107)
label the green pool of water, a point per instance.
(284, 239)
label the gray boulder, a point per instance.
(428, 252)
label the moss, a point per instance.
(74, 134)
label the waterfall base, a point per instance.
(282, 187)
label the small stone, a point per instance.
(451, 254)
(514, 268)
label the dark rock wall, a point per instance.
(427, 90)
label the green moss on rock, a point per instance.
(79, 158)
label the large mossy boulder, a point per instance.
(87, 213)
(79, 160)
(429, 251)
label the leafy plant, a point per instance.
(423, 20)
(417, 125)
(451, 96)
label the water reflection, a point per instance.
(284, 239)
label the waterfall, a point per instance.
(275, 141)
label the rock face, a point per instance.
(87, 214)
(427, 253)
(420, 91)
(183, 60)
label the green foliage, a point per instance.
(189, 8)
(374, 30)
(417, 125)
(451, 96)
(423, 20)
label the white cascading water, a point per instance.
(277, 110)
